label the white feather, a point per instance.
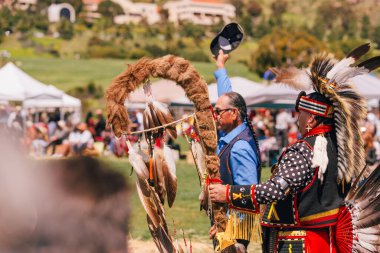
(160, 106)
(346, 62)
(343, 76)
(148, 92)
(199, 158)
(320, 158)
(169, 160)
(137, 162)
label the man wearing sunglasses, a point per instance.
(237, 145)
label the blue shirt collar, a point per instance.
(235, 132)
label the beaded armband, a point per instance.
(242, 197)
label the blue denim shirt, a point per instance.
(222, 81)
(243, 160)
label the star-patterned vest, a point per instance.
(317, 204)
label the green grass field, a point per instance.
(185, 211)
(66, 74)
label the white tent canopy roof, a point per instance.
(367, 85)
(17, 85)
(65, 101)
(163, 90)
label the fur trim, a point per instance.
(320, 158)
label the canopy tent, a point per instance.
(163, 90)
(65, 101)
(367, 85)
(240, 85)
(17, 85)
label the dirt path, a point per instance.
(199, 246)
(137, 246)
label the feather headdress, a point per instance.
(330, 78)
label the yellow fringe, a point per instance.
(244, 226)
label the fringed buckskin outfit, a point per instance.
(308, 204)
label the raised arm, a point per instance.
(222, 80)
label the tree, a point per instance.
(239, 5)
(278, 8)
(109, 9)
(376, 36)
(366, 24)
(318, 29)
(190, 30)
(247, 24)
(125, 31)
(254, 9)
(6, 20)
(284, 48)
(65, 29)
(261, 29)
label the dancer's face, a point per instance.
(226, 115)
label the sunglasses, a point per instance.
(218, 111)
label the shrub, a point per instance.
(155, 50)
(137, 53)
(284, 48)
(194, 55)
(106, 52)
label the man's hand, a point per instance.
(218, 193)
(212, 232)
(221, 59)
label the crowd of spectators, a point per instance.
(51, 134)
(276, 129)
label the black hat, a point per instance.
(228, 39)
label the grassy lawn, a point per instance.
(185, 211)
(69, 73)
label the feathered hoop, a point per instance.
(331, 78)
(184, 74)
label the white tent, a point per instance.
(45, 101)
(367, 85)
(240, 85)
(17, 85)
(65, 101)
(163, 90)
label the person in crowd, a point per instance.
(3, 117)
(40, 140)
(61, 133)
(80, 139)
(54, 117)
(283, 120)
(238, 149)
(90, 122)
(15, 121)
(100, 125)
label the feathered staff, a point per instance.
(184, 74)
